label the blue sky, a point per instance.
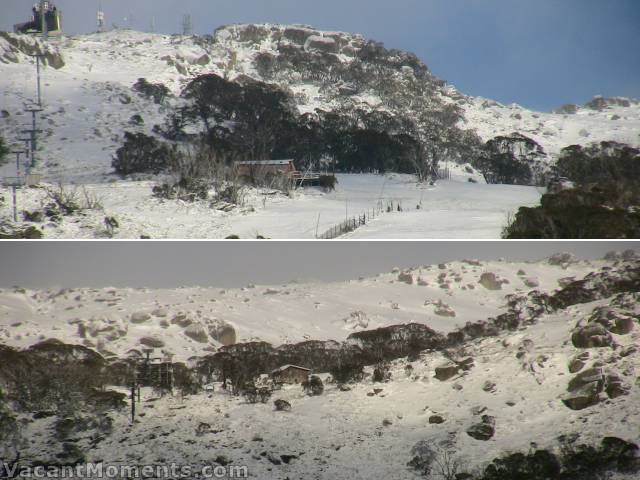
(539, 54)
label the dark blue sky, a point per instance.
(540, 53)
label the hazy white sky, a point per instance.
(539, 53)
(234, 264)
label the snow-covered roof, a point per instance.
(264, 162)
(285, 367)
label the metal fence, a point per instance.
(13, 181)
(26, 180)
(350, 224)
(443, 174)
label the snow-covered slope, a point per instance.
(117, 319)
(517, 380)
(554, 131)
(88, 101)
(450, 209)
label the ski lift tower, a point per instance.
(15, 183)
(100, 18)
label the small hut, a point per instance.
(252, 169)
(293, 374)
(45, 17)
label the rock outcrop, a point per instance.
(483, 430)
(15, 48)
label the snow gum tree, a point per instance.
(4, 150)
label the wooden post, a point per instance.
(15, 203)
(133, 403)
(38, 80)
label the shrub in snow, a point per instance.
(282, 405)
(152, 342)
(187, 381)
(567, 109)
(136, 120)
(186, 189)
(436, 419)
(562, 259)
(586, 462)
(264, 394)
(509, 159)
(64, 199)
(4, 150)
(483, 430)
(250, 393)
(327, 182)
(347, 372)
(357, 319)
(141, 153)
(387, 343)
(157, 91)
(602, 204)
(381, 372)
(434, 461)
(405, 277)
(111, 224)
(537, 465)
(601, 162)
(313, 386)
(596, 211)
(423, 454)
(202, 429)
(36, 216)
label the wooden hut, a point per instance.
(254, 169)
(290, 374)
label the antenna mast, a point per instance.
(44, 6)
(187, 26)
(100, 19)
